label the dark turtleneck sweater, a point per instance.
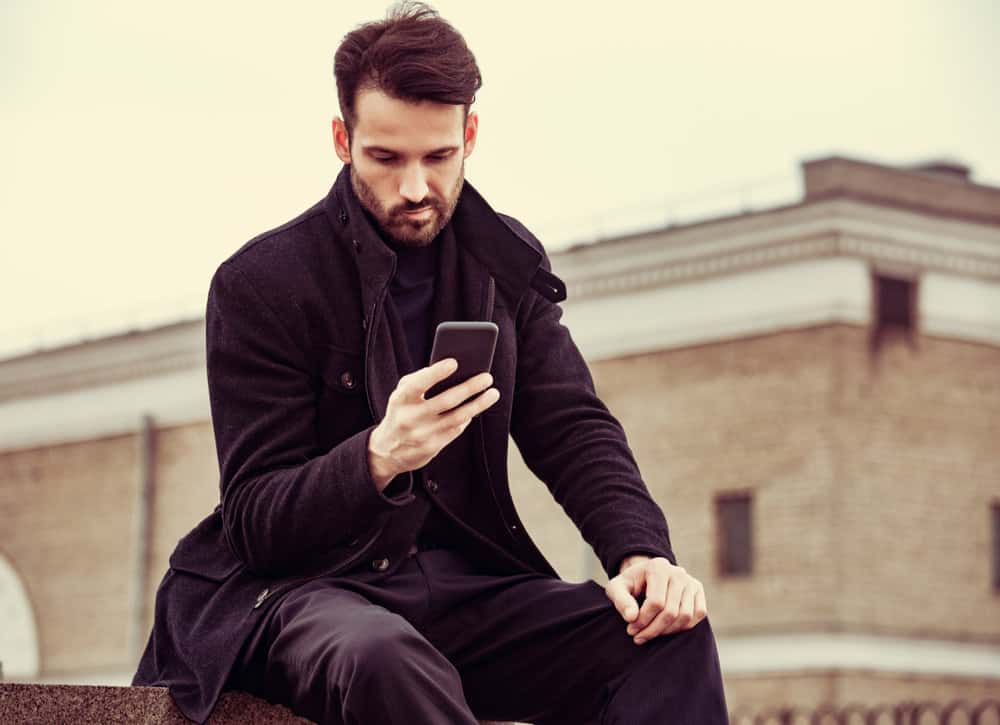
(411, 292)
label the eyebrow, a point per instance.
(383, 149)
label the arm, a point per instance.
(284, 501)
(570, 440)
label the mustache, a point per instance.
(416, 207)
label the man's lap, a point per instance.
(527, 646)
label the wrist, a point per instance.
(380, 466)
(632, 559)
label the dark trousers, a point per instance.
(439, 641)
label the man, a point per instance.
(365, 563)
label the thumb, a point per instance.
(621, 591)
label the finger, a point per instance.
(669, 620)
(415, 384)
(448, 399)
(700, 606)
(656, 598)
(685, 613)
(460, 417)
(619, 591)
(666, 616)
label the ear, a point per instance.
(341, 143)
(471, 132)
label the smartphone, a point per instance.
(471, 343)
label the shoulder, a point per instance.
(310, 225)
(528, 237)
(521, 231)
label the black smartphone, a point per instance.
(471, 343)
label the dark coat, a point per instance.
(300, 368)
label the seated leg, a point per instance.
(541, 650)
(334, 657)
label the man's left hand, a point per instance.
(675, 600)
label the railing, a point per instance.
(956, 712)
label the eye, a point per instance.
(440, 157)
(384, 159)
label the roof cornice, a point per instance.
(906, 241)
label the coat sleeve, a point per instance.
(571, 441)
(284, 501)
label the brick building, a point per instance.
(812, 392)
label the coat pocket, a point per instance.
(341, 404)
(341, 370)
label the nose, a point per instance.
(413, 185)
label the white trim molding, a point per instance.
(171, 348)
(98, 412)
(771, 299)
(762, 655)
(830, 228)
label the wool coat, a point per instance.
(300, 367)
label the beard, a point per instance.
(399, 228)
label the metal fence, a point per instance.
(957, 712)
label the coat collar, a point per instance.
(511, 259)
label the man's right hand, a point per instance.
(414, 429)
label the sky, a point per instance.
(144, 142)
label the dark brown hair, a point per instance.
(413, 55)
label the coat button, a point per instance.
(357, 245)
(432, 485)
(343, 217)
(380, 564)
(364, 323)
(261, 597)
(347, 380)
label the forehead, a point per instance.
(381, 120)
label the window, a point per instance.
(996, 546)
(895, 301)
(734, 523)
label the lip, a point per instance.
(418, 212)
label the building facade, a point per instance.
(812, 392)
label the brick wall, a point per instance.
(187, 489)
(67, 518)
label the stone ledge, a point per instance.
(85, 704)
(97, 705)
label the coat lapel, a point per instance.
(376, 264)
(461, 284)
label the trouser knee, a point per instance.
(679, 675)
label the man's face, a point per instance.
(407, 157)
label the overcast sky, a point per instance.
(144, 142)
